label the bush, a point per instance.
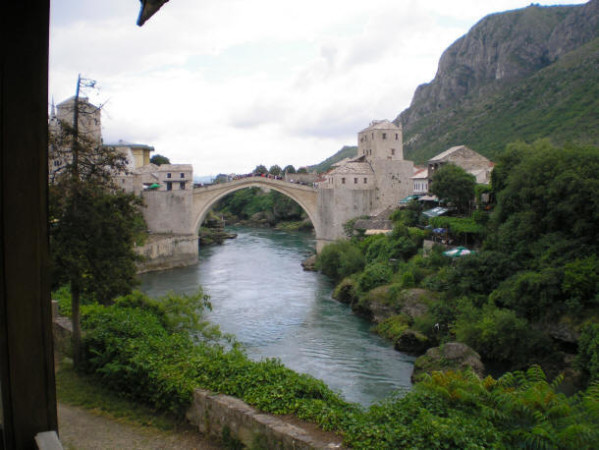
(458, 410)
(531, 294)
(588, 351)
(376, 274)
(143, 349)
(392, 327)
(346, 291)
(340, 259)
(497, 334)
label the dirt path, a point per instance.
(81, 429)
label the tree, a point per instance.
(548, 205)
(260, 170)
(275, 170)
(302, 170)
(289, 169)
(453, 184)
(93, 228)
(159, 160)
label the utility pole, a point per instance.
(85, 82)
(75, 281)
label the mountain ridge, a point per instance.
(500, 54)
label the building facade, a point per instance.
(373, 181)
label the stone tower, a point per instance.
(381, 145)
(377, 179)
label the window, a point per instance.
(355, 181)
(396, 136)
(342, 180)
(392, 151)
(384, 135)
(365, 180)
(182, 185)
(169, 186)
(168, 175)
(181, 175)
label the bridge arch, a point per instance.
(205, 197)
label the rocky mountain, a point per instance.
(506, 63)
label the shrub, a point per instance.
(588, 351)
(346, 291)
(376, 274)
(340, 259)
(392, 327)
(144, 350)
(497, 334)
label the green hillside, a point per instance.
(560, 102)
(346, 152)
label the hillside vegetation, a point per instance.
(520, 75)
(560, 102)
(347, 151)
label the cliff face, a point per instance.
(501, 50)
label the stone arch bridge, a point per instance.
(205, 197)
(174, 217)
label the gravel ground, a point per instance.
(81, 429)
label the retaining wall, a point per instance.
(165, 251)
(221, 416)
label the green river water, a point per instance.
(261, 294)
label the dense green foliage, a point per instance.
(144, 349)
(92, 239)
(560, 102)
(453, 185)
(535, 269)
(158, 351)
(458, 410)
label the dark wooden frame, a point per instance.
(26, 354)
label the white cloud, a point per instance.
(229, 84)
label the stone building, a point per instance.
(420, 181)
(472, 162)
(375, 180)
(60, 130)
(138, 155)
(466, 158)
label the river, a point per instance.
(261, 294)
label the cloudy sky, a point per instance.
(229, 84)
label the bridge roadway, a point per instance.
(306, 196)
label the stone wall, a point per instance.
(165, 251)
(337, 206)
(169, 211)
(221, 416)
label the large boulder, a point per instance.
(454, 356)
(413, 342)
(414, 302)
(309, 263)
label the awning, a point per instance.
(373, 232)
(428, 198)
(408, 199)
(435, 212)
(458, 251)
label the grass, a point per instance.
(85, 391)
